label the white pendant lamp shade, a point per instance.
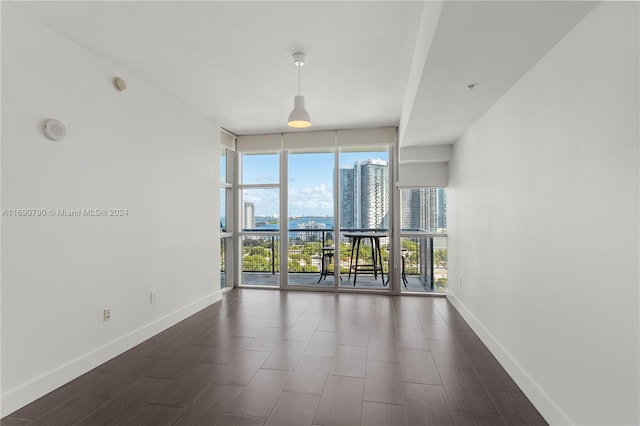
(299, 117)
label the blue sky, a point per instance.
(310, 181)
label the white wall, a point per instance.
(543, 224)
(139, 150)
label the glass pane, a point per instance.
(364, 189)
(440, 264)
(423, 209)
(364, 216)
(260, 168)
(261, 260)
(223, 164)
(424, 264)
(310, 222)
(223, 209)
(260, 209)
(223, 259)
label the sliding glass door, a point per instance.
(423, 240)
(364, 212)
(310, 211)
(260, 219)
(314, 209)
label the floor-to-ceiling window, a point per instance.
(260, 218)
(227, 212)
(310, 211)
(423, 239)
(317, 206)
(365, 211)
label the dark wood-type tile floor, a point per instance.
(263, 357)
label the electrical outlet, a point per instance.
(106, 315)
(459, 281)
(152, 297)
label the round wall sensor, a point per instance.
(119, 84)
(54, 130)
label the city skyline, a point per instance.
(363, 192)
(310, 184)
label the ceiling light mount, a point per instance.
(298, 59)
(299, 117)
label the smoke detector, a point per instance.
(54, 129)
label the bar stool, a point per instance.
(403, 255)
(327, 256)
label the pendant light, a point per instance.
(299, 117)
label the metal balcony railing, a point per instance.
(424, 255)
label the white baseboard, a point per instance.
(19, 397)
(545, 405)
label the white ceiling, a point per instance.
(490, 43)
(233, 60)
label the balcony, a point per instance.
(424, 260)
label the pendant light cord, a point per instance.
(299, 66)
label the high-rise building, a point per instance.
(347, 200)
(423, 209)
(429, 209)
(364, 195)
(373, 194)
(408, 209)
(442, 208)
(248, 215)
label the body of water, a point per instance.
(292, 223)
